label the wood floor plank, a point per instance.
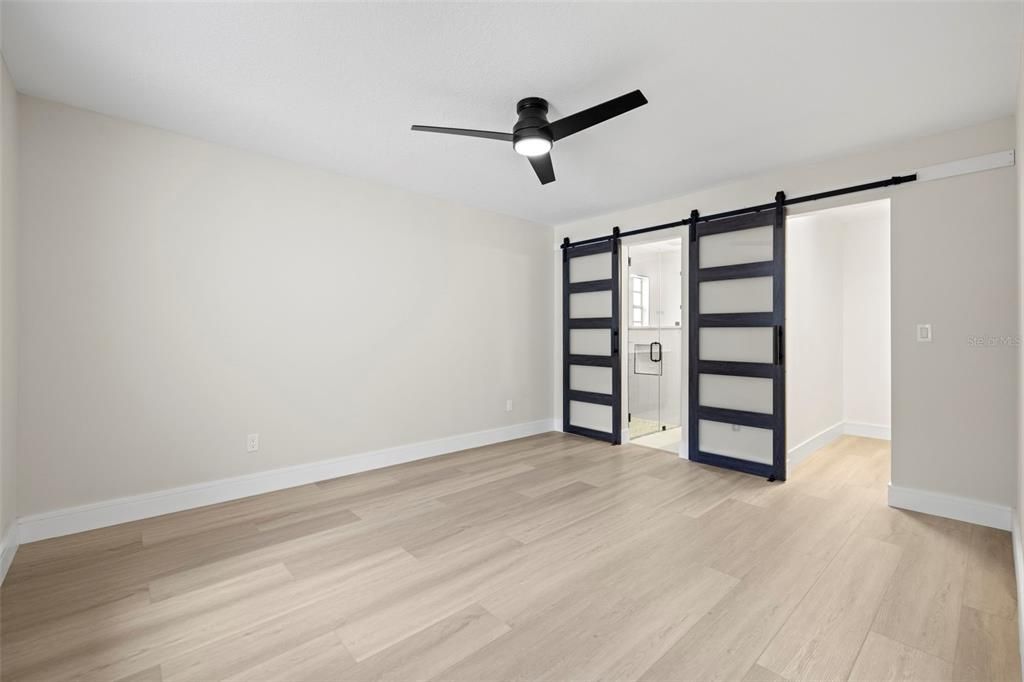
(728, 641)
(433, 650)
(627, 642)
(262, 640)
(61, 555)
(922, 605)
(822, 638)
(550, 557)
(319, 660)
(439, 591)
(74, 591)
(991, 584)
(987, 648)
(153, 674)
(882, 659)
(760, 674)
(583, 551)
(625, 632)
(126, 643)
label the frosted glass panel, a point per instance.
(590, 341)
(743, 442)
(586, 268)
(593, 379)
(753, 394)
(590, 416)
(590, 304)
(736, 344)
(740, 246)
(747, 295)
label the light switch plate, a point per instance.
(924, 333)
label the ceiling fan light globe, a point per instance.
(532, 146)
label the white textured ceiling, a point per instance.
(734, 89)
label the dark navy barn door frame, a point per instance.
(776, 319)
(610, 322)
(775, 370)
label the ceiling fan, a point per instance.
(533, 136)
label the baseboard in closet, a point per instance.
(816, 442)
(868, 430)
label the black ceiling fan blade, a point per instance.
(488, 134)
(542, 166)
(564, 127)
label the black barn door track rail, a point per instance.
(878, 184)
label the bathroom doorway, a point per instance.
(656, 343)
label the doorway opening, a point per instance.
(838, 295)
(656, 345)
(838, 338)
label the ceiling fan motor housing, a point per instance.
(533, 120)
(533, 135)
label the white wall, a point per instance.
(837, 317)
(177, 295)
(867, 337)
(954, 264)
(814, 327)
(8, 368)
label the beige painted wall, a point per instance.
(1020, 318)
(8, 369)
(954, 246)
(177, 295)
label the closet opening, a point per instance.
(838, 293)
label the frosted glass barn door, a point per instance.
(591, 380)
(737, 413)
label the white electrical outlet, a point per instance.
(924, 333)
(508, 405)
(252, 442)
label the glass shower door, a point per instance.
(646, 355)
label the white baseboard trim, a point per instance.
(951, 507)
(816, 442)
(867, 430)
(1018, 569)
(121, 510)
(8, 547)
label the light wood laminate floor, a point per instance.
(552, 557)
